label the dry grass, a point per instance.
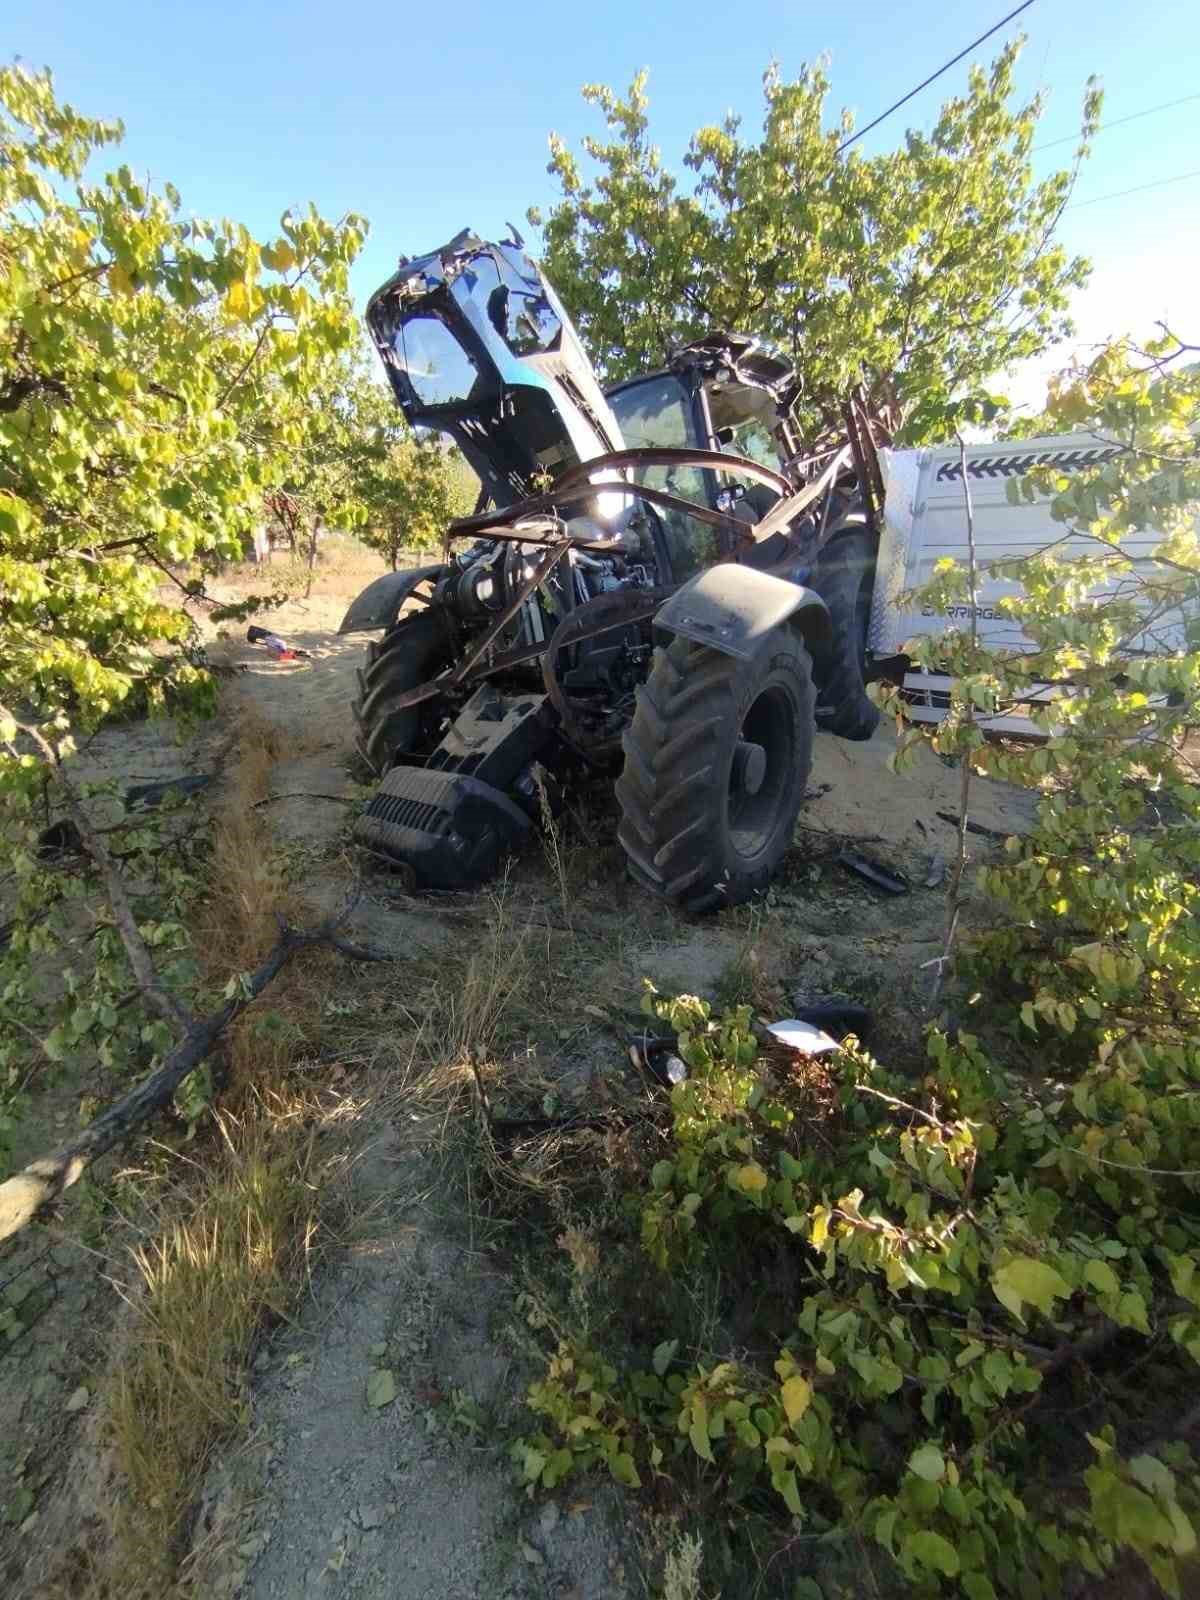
(234, 1245)
(344, 567)
(235, 924)
(248, 891)
(232, 1230)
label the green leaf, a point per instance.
(998, 1370)
(750, 1178)
(797, 1396)
(1102, 1277)
(784, 1480)
(624, 1470)
(54, 1044)
(664, 1354)
(280, 257)
(381, 1389)
(698, 1434)
(747, 1433)
(1027, 1281)
(928, 1463)
(929, 1549)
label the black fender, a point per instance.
(733, 608)
(379, 604)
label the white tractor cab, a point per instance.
(925, 521)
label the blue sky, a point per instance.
(429, 118)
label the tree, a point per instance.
(416, 487)
(330, 450)
(143, 352)
(927, 269)
(155, 382)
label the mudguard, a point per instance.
(379, 604)
(732, 608)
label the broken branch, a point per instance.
(148, 981)
(47, 1178)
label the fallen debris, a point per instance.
(277, 646)
(937, 871)
(148, 795)
(656, 1056)
(980, 828)
(879, 877)
(803, 1036)
(815, 1030)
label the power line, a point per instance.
(1138, 189)
(854, 137)
(1167, 105)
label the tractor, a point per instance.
(659, 582)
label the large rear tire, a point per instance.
(411, 652)
(717, 759)
(845, 580)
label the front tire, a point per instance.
(717, 759)
(411, 652)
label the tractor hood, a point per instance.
(476, 344)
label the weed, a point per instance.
(552, 844)
(235, 1242)
(682, 1568)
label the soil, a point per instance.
(376, 1464)
(326, 1493)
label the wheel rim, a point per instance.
(764, 759)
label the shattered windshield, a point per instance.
(654, 413)
(658, 414)
(516, 302)
(439, 369)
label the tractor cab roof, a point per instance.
(744, 378)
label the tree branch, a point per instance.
(953, 902)
(47, 1178)
(148, 981)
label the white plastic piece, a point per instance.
(803, 1036)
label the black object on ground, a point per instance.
(980, 828)
(879, 877)
(656, 1055)
(60, 840)
(148, 795)
(454, 819)
(837, 1017)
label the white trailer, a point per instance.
(925, 520)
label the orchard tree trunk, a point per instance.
(312, 555)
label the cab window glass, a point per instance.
(439, 369)
(658, 413)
